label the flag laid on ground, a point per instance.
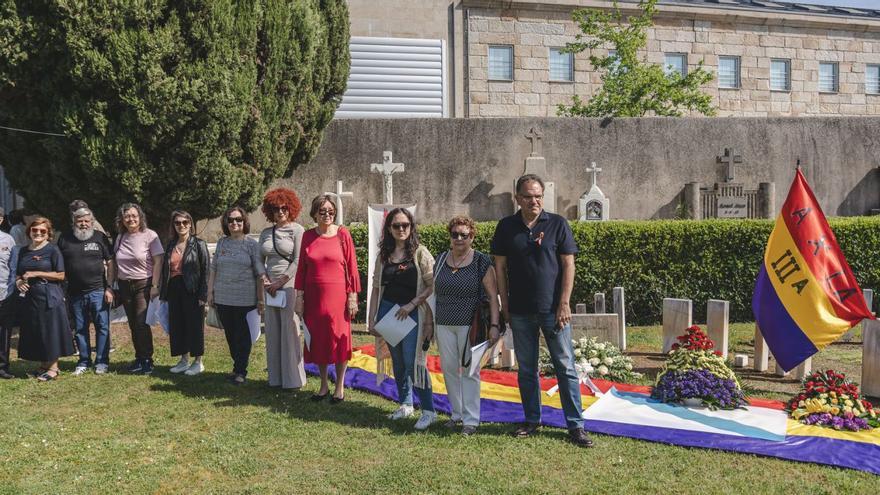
(626, 410)
(805, 296)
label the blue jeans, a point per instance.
(525, 344)
(91, 308)
(403, 360)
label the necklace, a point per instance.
(457, 266)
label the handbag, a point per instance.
(480, 321)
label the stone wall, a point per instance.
(469, 165)
(753, 37)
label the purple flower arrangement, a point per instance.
(836, 422)
(714, 391)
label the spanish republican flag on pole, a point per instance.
(806, 296)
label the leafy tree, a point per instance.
(631, 86)
(198, 104)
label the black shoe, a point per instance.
(318, 398)
(525, 430)
(136, 367)
(579, 437)
(6, 375)
(147, 367)
(337, 400)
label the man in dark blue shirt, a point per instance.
(534, 260)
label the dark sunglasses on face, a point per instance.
(39, 231)
(326, 212)
(459, 236)
(400, 226)
(232, 220)
(181, 223)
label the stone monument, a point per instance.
(387, 168)
(594, 205)
(536, 164)
(339, 194)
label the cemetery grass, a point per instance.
(174, 434)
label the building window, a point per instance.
(872, 79)
(780, 75)
(675, 62)
(561, 65)
(828, 77)
(728, 72)
(501, 62)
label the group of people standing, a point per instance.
(304, 283)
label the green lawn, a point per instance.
(174, 434)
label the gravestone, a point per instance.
(594, 205)
(387, 168)
(869, 301)
(536, 164)
(602, 326)
(339, 195)
(740, 360)
(871, 358)
(598, 302)
(804, 369)
(717, 324)
(620, 308)
(677, 317)
(762, 352)
(779, 371)
(729, 159)
(580, 308)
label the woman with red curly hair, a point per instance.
(327, 284)
(279, 246)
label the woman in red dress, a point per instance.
(327, 284)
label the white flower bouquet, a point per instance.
(603, 359)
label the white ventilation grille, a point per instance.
(395, 77)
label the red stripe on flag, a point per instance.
(817, 244)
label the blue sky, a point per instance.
(842, 3)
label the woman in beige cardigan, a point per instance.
(403, 280)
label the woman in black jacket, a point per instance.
(184, 286)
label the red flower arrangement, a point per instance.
(695, 339)
(829, 399)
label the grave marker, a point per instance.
(762, 352)
(871, 358)
(717, 324)
(599, 303)
(677, 317)
(620, 308)
(387, 168)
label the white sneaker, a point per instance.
(181, 366)
(80, 370)
(101, 369)
(402, 412)
(196, 368)
(425, 420)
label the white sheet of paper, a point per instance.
(253, 321)
(307, 336)
(162, 316)
(477, 353)
(392, 329)
(279, 300)
(157, 314)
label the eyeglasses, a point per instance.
(130, 217)
(39, 231)
(459, 235)
(400, 226)
(181, 223)
(537, 197)
(326, 212)
(232, 220)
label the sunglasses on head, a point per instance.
(231, 220)
(459, 235)
(401, 226)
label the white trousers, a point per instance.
(462, 389)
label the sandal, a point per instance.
(49, 375)
(37, 372)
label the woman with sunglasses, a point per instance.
(184, 285)
(280, 248)
(463, 276)
(403, 278)
(138, 265)
(235, 287)
(45, 331)
(327, 284)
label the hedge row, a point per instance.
(698, 260)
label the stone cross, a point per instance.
(594, 170)
(729, 159)
(339, 194)
(387, 168)
(534, 136)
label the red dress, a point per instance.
(326, 273)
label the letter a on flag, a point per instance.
(806, 296)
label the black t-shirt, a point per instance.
(84, 261)
(400, 281)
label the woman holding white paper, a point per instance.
(279, 246)
(402, 282)
(235, 287)
(462, 276)
(184, 286)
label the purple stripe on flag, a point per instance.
(790, 346)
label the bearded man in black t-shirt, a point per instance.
(87, 261)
